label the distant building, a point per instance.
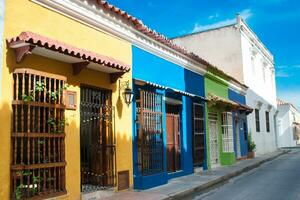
(238, 51)
(288, 124)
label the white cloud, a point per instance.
(245, 14)
(216, 15)
(285, 71)
(288, 66)
(282, 74)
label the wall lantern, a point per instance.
(128, 93)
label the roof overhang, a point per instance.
(31, 43)
(228, 104)
(168, 89)
(220, 101)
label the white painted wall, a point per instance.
(211, 46)
(259, 76)
(286, 115)
(2, 8)
(231, 49)
(265, 141)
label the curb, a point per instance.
(222, 179)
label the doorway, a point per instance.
(213, 138)
(237, 138)
(97, 140)
(173, 137)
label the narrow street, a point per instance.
(275, 180)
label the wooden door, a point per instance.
(173, 142)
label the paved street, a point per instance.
(275, 180)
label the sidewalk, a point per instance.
(201, 181)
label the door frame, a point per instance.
(213, 165)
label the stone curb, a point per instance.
(222, 179)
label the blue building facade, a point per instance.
(168, 116)
(239, 125)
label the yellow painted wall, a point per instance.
(24, 15)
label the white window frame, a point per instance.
(227, 132)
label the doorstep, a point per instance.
(200, 181)
(100, 194)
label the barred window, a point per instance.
(227, 132)
(150, 132)
(37, 137)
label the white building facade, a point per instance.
(238, 51)
(288, 124)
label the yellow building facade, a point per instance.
(25, 15)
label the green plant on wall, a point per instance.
(27, 98)
(55, 124)
(40, 87)
(20, 188)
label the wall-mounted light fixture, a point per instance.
(128, 93)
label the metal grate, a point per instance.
(227, 132)
(97, 139)
(37, 138)
(213, 137)
(150, 132)
(198, 147)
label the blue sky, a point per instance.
(276, 22)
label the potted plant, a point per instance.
(251, 147)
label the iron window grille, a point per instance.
(38, 135)
(198, 138)
(149, 132)
(227, 132)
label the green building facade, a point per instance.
(218, 121)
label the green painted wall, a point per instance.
(218, 88)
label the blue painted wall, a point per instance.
(234, 96)
(149, 67)
(2, 9)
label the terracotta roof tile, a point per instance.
(55, 45)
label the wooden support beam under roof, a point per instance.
(78, 67)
